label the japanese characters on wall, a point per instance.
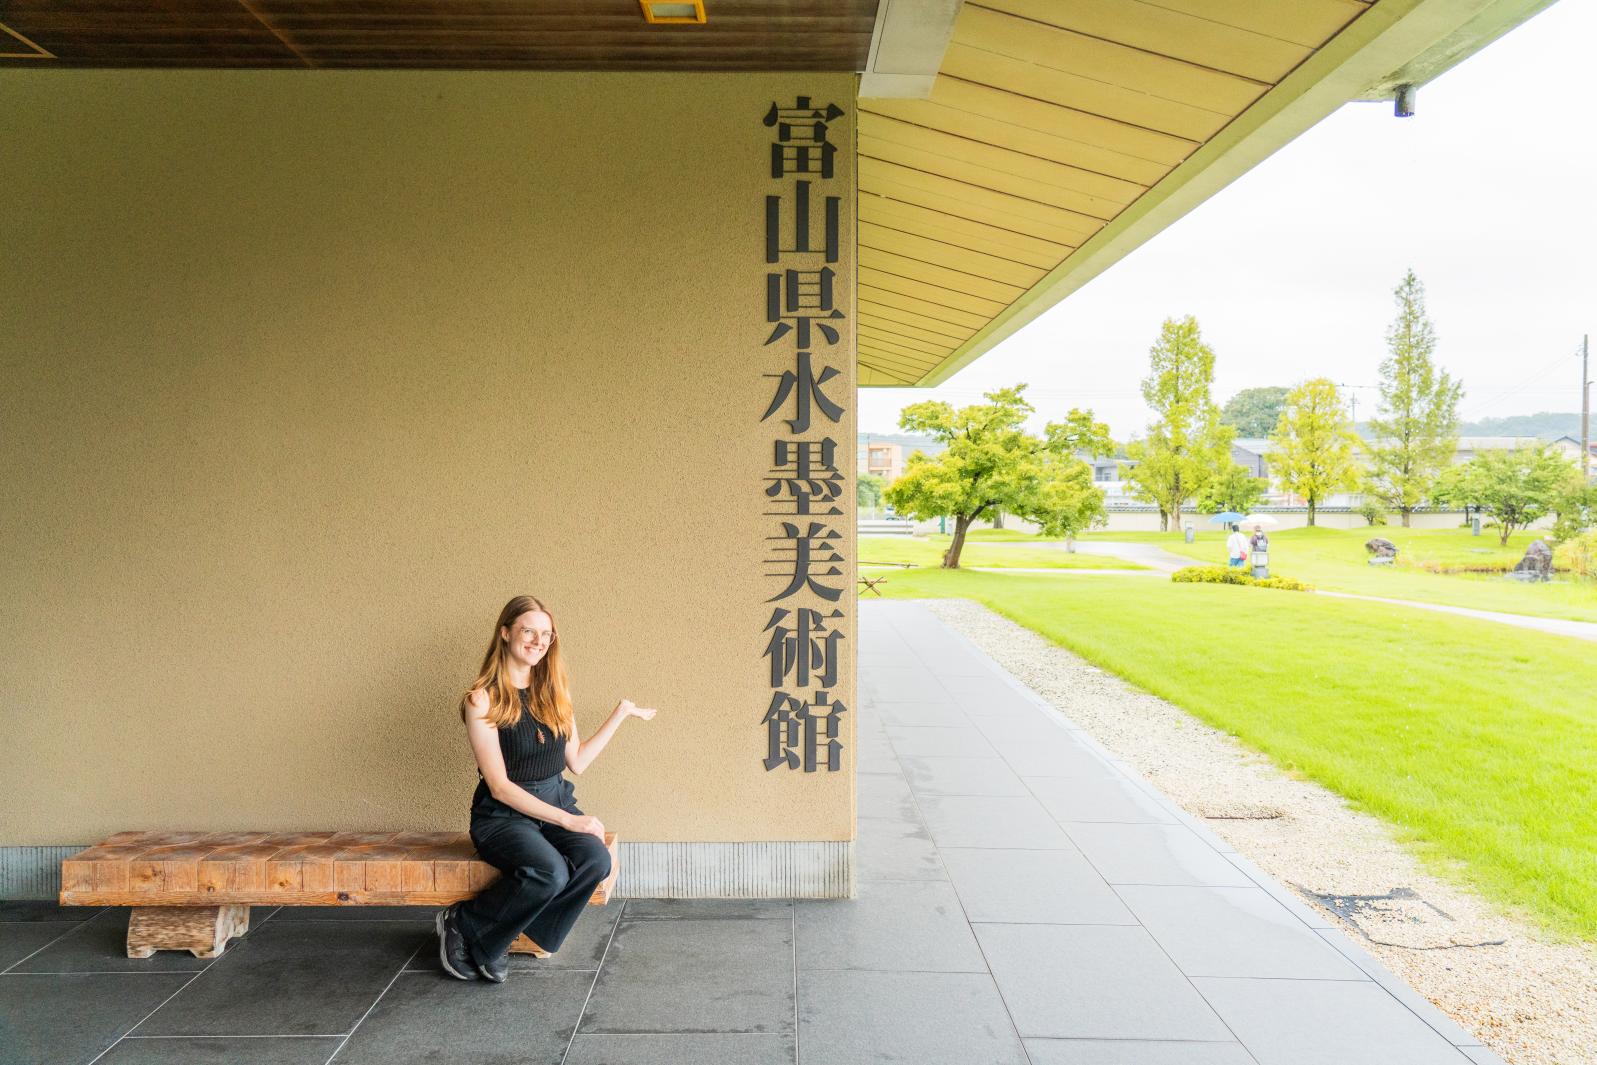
(802, 356)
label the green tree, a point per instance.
(1254, 411)
(1235, 489)
(992, 463)
(1416, 430)
(868, 490)
(1576, 508)
(1517, 487)
(1313, 455)
(1187, 447)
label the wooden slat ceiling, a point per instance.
(1048, 118)
(434, 34)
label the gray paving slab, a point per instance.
(695, 976)
(1135, 1052)
(891, 925)
(887, 849)
(1032, 887)
(682, 1048)
(1045, 751)
(899, 685)
(18, 941)
(68, 1020)
(1324, 1022)
(424, 1018)
(1018, 823)
(294, 978)
(1104, 796)
(100, 945)
(940, 711)
(982, 775)
(1094, 982)
(935, 742)
(864, 1018)
(1234, 931)
(222, 1050)
(885, 795)
(1153, 854)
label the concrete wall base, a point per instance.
(33, 872)
(800, 869)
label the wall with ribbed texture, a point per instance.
(781, 870)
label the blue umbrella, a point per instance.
(1227, 517)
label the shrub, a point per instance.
(1372, 512)
(1227, 575)
(1578, 555)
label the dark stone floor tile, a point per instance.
(17, 941)
(356, 913)
(890, 925)
(101, 946)
(292, 978)
(895, 850)
(681, 1048)
(219, 1050)
(67, 1020)
(582, 950)
(860, 1018)
(22, 910)
(709, 909)
(431, 1018)
(695, 976)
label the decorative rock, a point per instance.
(1381, 548)
(1537, 565)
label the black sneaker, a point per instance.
(452, 952)
(495, 971)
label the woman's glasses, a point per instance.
(539, 638)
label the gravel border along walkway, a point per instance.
(1530, 998)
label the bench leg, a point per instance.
(523, 945)
(203, 931)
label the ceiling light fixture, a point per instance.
(673, 12)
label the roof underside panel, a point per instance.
(1047, 120)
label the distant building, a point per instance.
(886, 454)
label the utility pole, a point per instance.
(1585, 409)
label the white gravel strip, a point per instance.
(1528, 997)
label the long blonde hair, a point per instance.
(549, 693)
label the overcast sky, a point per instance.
(1489, 193)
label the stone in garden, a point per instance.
(1381, 548)
(1537, 563)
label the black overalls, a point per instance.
(549, 872)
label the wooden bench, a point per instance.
(193, 890)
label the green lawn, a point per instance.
(1335, 560)
(1476, 741)
(928, 551)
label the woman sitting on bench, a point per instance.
(524, 816)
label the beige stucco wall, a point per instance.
(306, 373)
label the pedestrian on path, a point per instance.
(1259, 552)
(1236, 546)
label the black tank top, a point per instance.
(532, 750)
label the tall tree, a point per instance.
(991, 463)
(1416, 431)
(1314, 440)
(1235, 489)
(1188, 446)
(1254, 411)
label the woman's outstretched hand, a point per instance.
(589, 824)
(629, 709)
